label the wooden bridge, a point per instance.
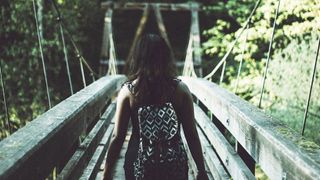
(70, 140)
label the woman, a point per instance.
(157, 104)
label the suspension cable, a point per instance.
(112, 69)
(76, 49)
(41, 52)
(188, 68)
(233, 43)
(222, 71)
(269, 54)
(65, 53)
(241, 60)
(310, 89)
(5, 100)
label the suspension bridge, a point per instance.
(70, 140)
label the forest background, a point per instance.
(288, 79)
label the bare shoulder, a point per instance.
(124, 93)
(183, 90)
(183, 95)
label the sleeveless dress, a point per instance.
(155, 123)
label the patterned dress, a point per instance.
(155, 149)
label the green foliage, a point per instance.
(293, 49)
(291, 70)
(20, 56)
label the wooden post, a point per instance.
(161, 26)
(140, 29)
(195, 31)
(105, 42)
(112, 66)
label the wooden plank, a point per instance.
(231, 160)
(192, 174)
(142, 5)
(93, 168)
(278, 155)
(81, 157)
(118, 172)
(179, 63)
(33, 151)
(214, 165)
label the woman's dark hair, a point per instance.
(153, 65)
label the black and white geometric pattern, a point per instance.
(161, 150)
(158, 123)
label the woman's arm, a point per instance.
(122, 116)
(189, 128)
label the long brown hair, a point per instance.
(152, 64)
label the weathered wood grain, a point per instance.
(231, 160)
(118, 172)
(83, 154)
(214, 165)
(32, 151)
(259, 134)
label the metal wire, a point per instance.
(233, 43)
(222, 71)
(241, 60)
(41, 53)
(269, 54)
(76, 49)
(65, 55)
(310, 90)
(82, 71)
(5, 100)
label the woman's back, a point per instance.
(156, 104)
(155, 148)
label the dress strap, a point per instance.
(176, 81)
(130, 86)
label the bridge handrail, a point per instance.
(33, 151)
(279, 155)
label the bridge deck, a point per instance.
(118, 172)
(51, 141)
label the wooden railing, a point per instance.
(259, 138)
(52, 140)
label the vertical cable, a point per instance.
(241, 60)
(5, 100)
(41, 52)
(76, 50)
(230, 48)
(222, 71)
(65, 54)
(82, 71)
(269, 54)
(310, 90)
